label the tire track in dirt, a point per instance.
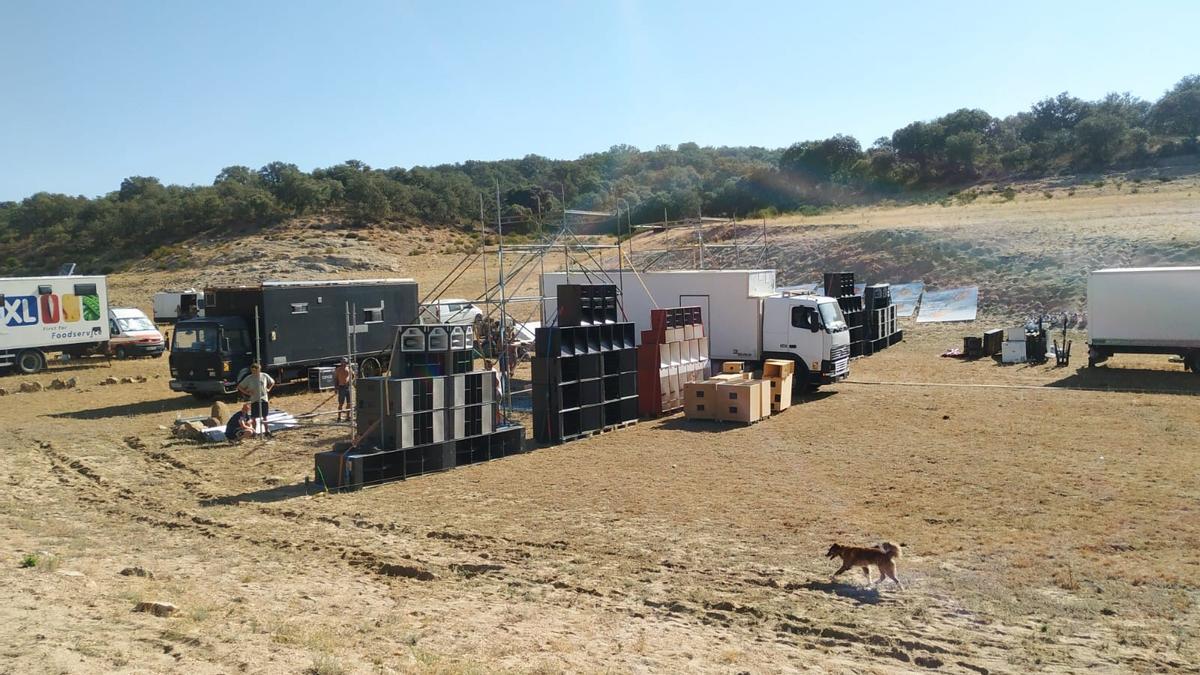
(503, 562)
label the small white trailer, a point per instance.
(745, 317)
(43, 315)
(1144, 310)
(172, 306)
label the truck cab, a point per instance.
(809, 330)
(131, 334)
(208, 355)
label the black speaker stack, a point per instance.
(433, 413)
(871, 317)
(585, 368)
(840, 285)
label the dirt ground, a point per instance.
(1048, 526)
(1049, 516)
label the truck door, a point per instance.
(788, 327)
(806, 337)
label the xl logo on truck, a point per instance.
(21, 310)
(48, 308)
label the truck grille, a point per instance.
(840, 357)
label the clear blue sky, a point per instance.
(91, 92)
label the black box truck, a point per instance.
(289, 327)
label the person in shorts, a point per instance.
(239, 425)
(343, 377)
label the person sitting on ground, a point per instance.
(239, 425)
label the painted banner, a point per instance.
(906, 296)
(956, 304)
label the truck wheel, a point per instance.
(121, 354)
(1192, 362)
(31, 361)
(370, 367)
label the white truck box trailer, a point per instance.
(172, 306)
(1144, 310)
(43, 315)
(745, 318)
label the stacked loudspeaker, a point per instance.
(882, 327)
(871, 316)
(840, 285)
(584, 368)
(433, 413)
(673, 353)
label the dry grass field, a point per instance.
(1051, 517)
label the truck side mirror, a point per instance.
(814, 320)
(226, 345)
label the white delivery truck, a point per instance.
(132, 334)
(745, 317)
(172, 306)
(1144, 310)
(44, 315)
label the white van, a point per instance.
(450, 311)
(131, 333)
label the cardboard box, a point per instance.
(689, 332)
(781, 393)
(727, 377)
(700, 400)
(740, 401)
(778, 368)
(733, 366)
(1016, 334)
(765, 396)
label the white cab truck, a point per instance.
(745, 317)
(172, 306)
(1144, 310)
(132, 334)
(40, 316)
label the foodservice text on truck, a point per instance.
(1144, 310)
(289, 327)
(745, 317)
(44, 315)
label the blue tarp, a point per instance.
(956, 304)
(906, 297)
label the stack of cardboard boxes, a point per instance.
(673, 353)
(735, 396)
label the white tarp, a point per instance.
(276, 420)
(956, 304)
(906, 296)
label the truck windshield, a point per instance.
(831, 316)
(195, 339)
(135, 323)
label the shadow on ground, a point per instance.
(863, 595)
(264, 496)
(1132, 380)
(131, 409)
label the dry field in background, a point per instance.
(1051, 523)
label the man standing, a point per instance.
(343, 377)
(239, 426)
(257, 386)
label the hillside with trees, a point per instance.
(1060, 134)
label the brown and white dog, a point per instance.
(883, 556)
